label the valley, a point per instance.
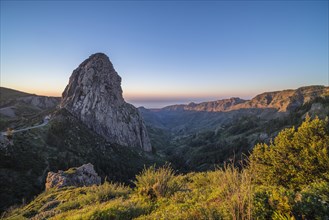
(195, 137)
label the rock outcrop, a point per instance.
(80, 176)
(42, 102)
(94, 96)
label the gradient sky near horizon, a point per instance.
(167, 52)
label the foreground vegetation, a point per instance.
(288, 179)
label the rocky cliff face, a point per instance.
(94, 96)
(80, 176)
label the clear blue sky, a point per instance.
(167, 51)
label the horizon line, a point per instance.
(157, 102)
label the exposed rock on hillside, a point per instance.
(10, 97)
(94, 96)
(212, 106)
(286, 100)
(42, 102)
(81, 176)
(282, 101)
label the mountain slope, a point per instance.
(10, 97)
(19, 109)
(281, 101)
(8, 94)
(286, 100)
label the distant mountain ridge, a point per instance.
(211, 106)
(17, 107)
(282, 101)
(9, 97)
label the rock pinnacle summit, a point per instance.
(94, 96)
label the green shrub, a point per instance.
(292, 174)
(296, 158)
(313, 201)
(108, 191)
(30, 213)
(156, 183)
(71, 171)
(235, 193)
(269, 202)
(123, 212)
(69, 205)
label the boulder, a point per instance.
(77, 176)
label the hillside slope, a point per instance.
(266, 188)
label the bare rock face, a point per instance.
(94, 96)
(80, 176)
(42, 102)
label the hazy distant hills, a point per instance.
(282, 101)
(211, 106)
